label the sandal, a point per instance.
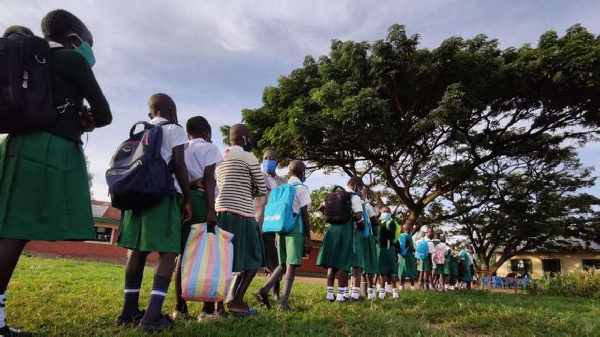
(251, 312)
(263, 299)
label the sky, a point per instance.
(216, 57)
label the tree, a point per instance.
(422, 122)
(317, 220)
(522, 203)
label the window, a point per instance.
(521, 266)
(104, 234)
(590, 264)
(551, 265)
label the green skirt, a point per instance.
(447, 270)
(424, 265)
(290, 246)
(336, 251)
(199, 209)
(248, 250)
(407, 267)
(44, 189)
(370, 253)
(153, 229)
(387, 261)
(358, 248)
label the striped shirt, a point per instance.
(240, 179)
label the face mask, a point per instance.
(385, 216)
(269, 166)
(85, 50)
(358, 193)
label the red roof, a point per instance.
(104, 210)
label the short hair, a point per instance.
(59, 21)
(197, 125)
(17, 29)
(356, 181)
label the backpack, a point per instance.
(279, 214)
(403, 246)
(138, 176)
(422, 250)
(368, 231)
(338, 206)
(25, 95)
(439, 257)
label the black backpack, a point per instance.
(338, 206)
(25, 95)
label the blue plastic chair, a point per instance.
(484, 282)
(497, 282)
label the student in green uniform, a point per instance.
(293, 245)
(44, 191)
(435, 279)
(467, 261)
(407, 267)
(157, 228)
(337, 253)
(447, 270)
(387, 264)
(240, 180)
(425, 265)
(201, 159)
(370, 244)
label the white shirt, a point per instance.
(430, 246)
(173, 135)
(198, 155)
(302, 196)
(369, 209)
(356, 201)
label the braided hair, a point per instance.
(57, 23)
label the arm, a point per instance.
(83, 76)
(306, 229)
(210, 183)
(182, 178)
(258, 179)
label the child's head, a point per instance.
(429, 234)
(356, 184)
(162, 105)
(240, 135)
(406, 228)
(65, 28)
(297, 169)
(17, 29)
(198, 127)
(269, 163)
(366, 193)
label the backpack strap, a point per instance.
(298, 216)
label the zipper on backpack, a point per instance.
(25, 79)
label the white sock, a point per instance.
(330, 295)
(371, 293)
(401, 288)
(341, 293)
(348, 291)
(381, 293)
(388, 288)
(355, 293)
(412, 288)
(2, 307)
(394, 293)
(428, 286)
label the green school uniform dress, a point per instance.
(464, 257)
(290, 246)
(44, 188)
(248, 249)
(447, 270)
(358, 248)
(199, 210)
(336, 251)
(453, 265)
(370, 255)
(407, 266)
(387, 264)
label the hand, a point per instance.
(308, 247)
(186, 212)
(211, 219)
(86, 119)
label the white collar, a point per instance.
(53, 44)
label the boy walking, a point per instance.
(157, 228)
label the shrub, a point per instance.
(578, 284)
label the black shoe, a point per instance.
(6, 332)
(165, 322)
(263, 299)
(130, 320)
(359, 299)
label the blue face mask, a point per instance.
(85, 50)
(269, 165)
(385, 216)
(358, 193)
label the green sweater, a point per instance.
(72, 77)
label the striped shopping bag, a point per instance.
(206, 264)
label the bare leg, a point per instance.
(10, 251)
(238, 305)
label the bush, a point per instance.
(578, 284)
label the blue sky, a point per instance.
(215, 57)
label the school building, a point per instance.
(103, 248)
(546, 261)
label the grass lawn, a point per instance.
(70, 297)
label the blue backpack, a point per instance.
(138, 176)
(368, 231)
(422, 250)
(403, 246)
(279, 214)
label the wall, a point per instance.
(569, 262)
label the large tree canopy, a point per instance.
(423, 121)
